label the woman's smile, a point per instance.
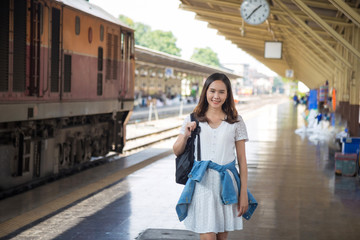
(216, 94)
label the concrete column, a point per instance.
(347, 87)
(354, 85)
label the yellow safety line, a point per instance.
(31, 216)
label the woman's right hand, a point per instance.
(190, 126)
(180, 143)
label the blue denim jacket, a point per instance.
(228, 192)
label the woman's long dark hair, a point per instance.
(228, 106)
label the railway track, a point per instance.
(140, 142)
(133, 145)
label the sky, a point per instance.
(166, 15)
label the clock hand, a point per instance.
(254, 11)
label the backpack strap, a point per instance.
(196, 132)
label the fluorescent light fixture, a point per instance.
(273, 50)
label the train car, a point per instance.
(66, 87)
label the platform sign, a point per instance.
(289, 73)
(273, 50)
(169, 72)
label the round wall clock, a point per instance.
(255, 12)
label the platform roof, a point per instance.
(311, 32)
(149, 56)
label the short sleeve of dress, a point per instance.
(186, 120)
(240, 130)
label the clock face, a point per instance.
(255, 12)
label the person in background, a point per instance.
(222, 137)
(296, 99)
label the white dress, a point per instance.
(207, 213)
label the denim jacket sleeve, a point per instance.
(228, 193)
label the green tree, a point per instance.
(206, 56)
(128, 21)
(156, 40)
(161, 41)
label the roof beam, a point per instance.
(237, 24)
(314, 46)
(326, 27)
(206, 11)
(253, 33)
(230, 24)
(329, 20)
(316, 4)
(236, 5)
(237, 34)
(347, 10)
(246, 42)
(312, 58)
(251, 50)
(305, 27)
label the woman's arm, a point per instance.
(241, 156)
(179, 145)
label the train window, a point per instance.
(19, 43)
(41, 17)
(99, 84)
(101, 32)
(128, 52)
(67, 73)
(55, 47)
(90, 34)
(122, 46)
(108, 55)
(132, 45)
(115, 63)
(77, 25)
(4, 46)
(100, 59)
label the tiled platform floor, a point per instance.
(292, 178)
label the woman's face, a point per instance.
(216, 94)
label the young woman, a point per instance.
(208, 210)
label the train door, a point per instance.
(131, 66)
(123, 64)
(127, 64)
(22, 53)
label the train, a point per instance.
(67, 71)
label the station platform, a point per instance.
(134, 197)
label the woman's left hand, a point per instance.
(243, 203)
